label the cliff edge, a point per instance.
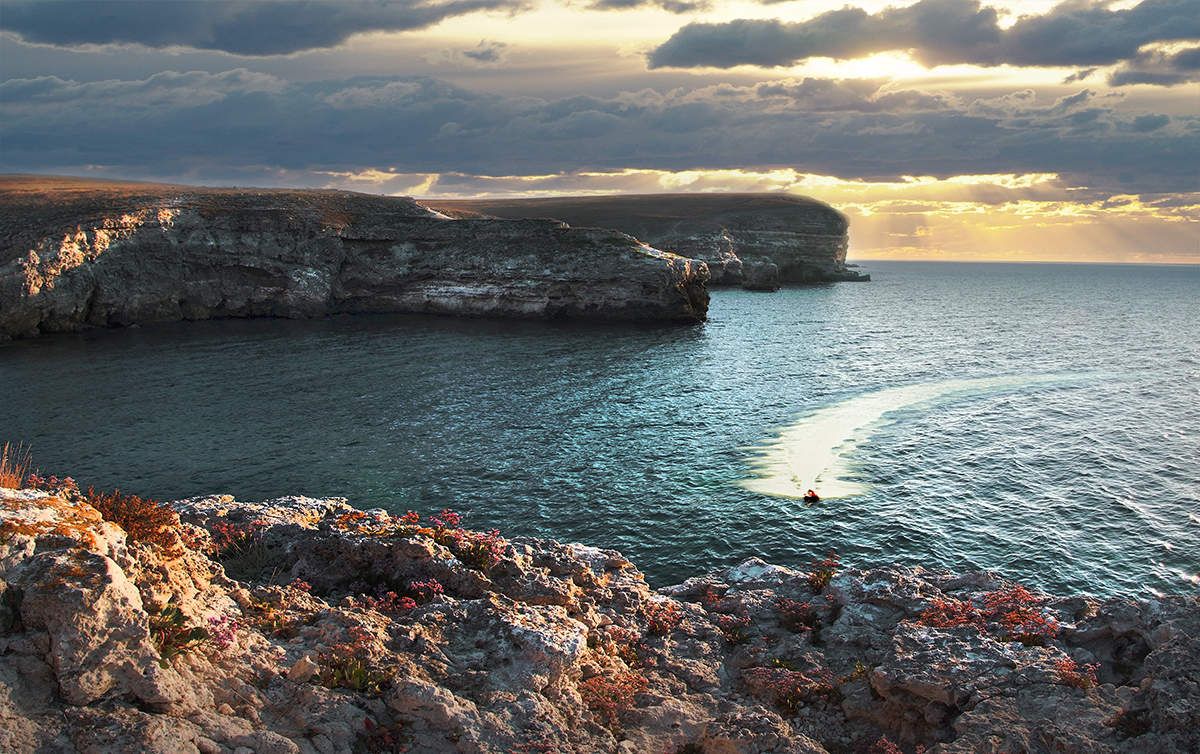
(753, 240)
(303, 625)
(76, 253)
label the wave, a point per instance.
(816, 450)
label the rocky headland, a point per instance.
(76, 253)
(757, 241)
(304, 625)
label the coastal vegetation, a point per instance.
(368, 631)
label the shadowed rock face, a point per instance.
(740, 236)
(77, 253)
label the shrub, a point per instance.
(14, 465)
(608, 697)
(1070, 673)
(172, 635)
(144, 521)
(822, 573)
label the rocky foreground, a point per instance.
(76, 253)
(301, 625)
(756, 241)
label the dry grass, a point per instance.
(14, 465)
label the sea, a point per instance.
(1038, 420)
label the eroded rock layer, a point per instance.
(303, 625)
(77, 253)
(753, 240)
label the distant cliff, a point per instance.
(76, 253)
(753, 240)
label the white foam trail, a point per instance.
(814, 451)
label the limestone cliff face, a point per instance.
(755, 240)
(75, 254)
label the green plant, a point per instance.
(822, 573)
(172, 635)
(348, 665)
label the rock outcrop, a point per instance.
(302, 625)
(77, 253)
(753, 240)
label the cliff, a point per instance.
(77, 253)
(753, 240)
(301, 625)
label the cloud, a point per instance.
(485, 54)
(1159, 66)
(196, 126)
(1077, 33)
(671, 6)
(241, 27)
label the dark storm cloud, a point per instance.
(1077, 33)
(242, 27)
(220, 127)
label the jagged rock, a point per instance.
(77, 253)
(338, 640)
(738, 235)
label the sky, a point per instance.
(945, 129)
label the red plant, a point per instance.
(49, 484)
(885, 746)
(609, 696)
(797, 615)
(946, 613)
(822, 573)
(1017, 612)
(425, 591)
(790, 689)
(1070, 673)
(390, 603)
(735, 628)
(230, 540)
(661, 617)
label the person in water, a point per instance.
(810, 494)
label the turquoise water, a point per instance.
(1041, 420)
